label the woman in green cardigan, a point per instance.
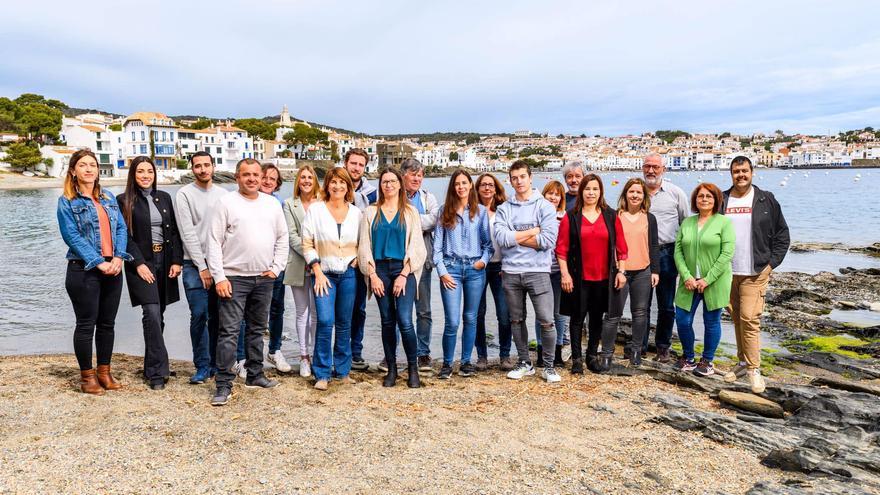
(703, 252)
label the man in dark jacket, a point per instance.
(761, 243)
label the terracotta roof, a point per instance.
(148, 117)
(229, 128)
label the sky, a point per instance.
(382, 67)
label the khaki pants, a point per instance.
(746, 306)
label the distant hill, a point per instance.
(73, 112)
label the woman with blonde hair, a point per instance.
(94, 230)
(297, 275)
(642, 265)
(330, 241)
(391, 254)
(554, 192)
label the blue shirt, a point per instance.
(416, 200)
(469, 239)
(389, 238)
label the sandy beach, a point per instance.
(12, 180)
(487, 434)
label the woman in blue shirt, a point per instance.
(93, 228)
(462, 248)
(391, 254)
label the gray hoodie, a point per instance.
(515, 216)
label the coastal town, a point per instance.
(118, 139)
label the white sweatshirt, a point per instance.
(193, 206)
(247, 237)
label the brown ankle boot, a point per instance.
(106, 379)
(89, 383)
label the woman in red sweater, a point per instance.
(591, 250)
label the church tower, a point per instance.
(285, 117)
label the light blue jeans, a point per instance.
(470, 283)
(334, 311)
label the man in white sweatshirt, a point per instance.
(247, 249)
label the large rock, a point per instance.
(842, 384)
(836, 363)
(752, 403)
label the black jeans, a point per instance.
(396, 312)
(665, 299)
(638, 289)
(250, 299)
(593, 303)
(156, 367)
(95, 299)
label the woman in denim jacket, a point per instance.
(94, 230)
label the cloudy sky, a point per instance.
(597, 67)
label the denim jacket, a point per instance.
(78, 221)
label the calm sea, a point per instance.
(36, 315)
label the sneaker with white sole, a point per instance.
(239, 369)
(551, 375)
(704, 368)
(522, 369)
(738, 371)
(277, 360)
(305, 368)
(756, 381)
(684, 365)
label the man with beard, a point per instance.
(194, 203)
(669, 204)
(355, 162)
(572, 173)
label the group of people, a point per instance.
(339, 243)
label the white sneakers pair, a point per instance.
(756, 381)
(277, 360)
(526, 369)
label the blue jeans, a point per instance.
(665, 299)
(358, 316)
(712, 329)
(396, 312)
(276, 319)
(493, 281)
(470, 284)
(204, 320)
(561, 322)
(334, 310)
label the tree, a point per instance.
(724, 135)
(583, 135)
(201, 124)
(152, 146)
(472, 139)
(23, 155)
(115, 127)
(334, 151)
(257, 128)
(670, 136)
(305, 135)
(453, 156)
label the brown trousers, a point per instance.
(746, 306)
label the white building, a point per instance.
(143, 129)
(96, 137)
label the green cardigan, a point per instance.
(712, 248)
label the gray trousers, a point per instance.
(250, 299)
(423, 314)
(537, 287)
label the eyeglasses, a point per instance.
(652, 167)
(390, 182)
(488, 185)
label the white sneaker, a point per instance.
(277, 359)
(551, 375)
(522, 369)
(566, 352)
(737, 371)
(239, 369)
(305, 369)
(756, 381)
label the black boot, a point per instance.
(557, 361)
(539, 363)
(635, 358)
(604, 363)
(391, 377)
(412, 381)
(577, 366)
(593, 363)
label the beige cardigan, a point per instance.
(416, 253)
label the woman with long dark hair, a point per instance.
(490, 194)
(391, 254)
(94, 230)
(157, 258)
(462, 248)
(642, 265)
(591, 252)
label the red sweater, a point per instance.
(594, 246)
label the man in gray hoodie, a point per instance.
(525, 230)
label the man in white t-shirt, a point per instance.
(761, 243)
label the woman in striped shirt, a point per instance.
(330, 240)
